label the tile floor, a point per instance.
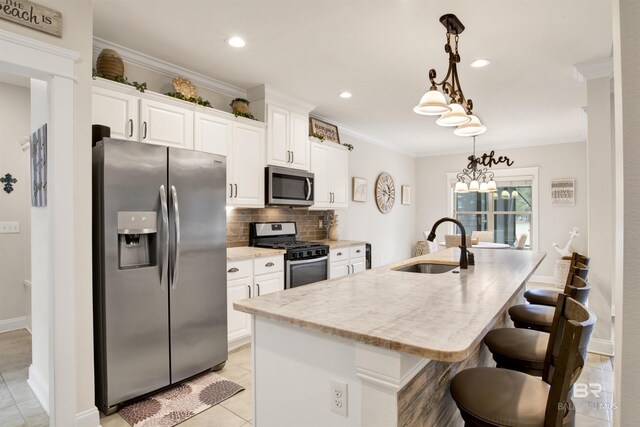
(20, 408)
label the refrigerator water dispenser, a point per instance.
(137, 233)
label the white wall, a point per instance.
(14, 127)
(391, 235)
(554, 161)
(77, 36)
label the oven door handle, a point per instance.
(308, 261)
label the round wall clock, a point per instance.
(385, 192)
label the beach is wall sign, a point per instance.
(32, 15)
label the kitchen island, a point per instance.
(394, 338)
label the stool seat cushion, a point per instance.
(520, 349)
(533, 316)
(542, 296)
(500, 397)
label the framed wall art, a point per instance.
(359, 192)
(39, 167)
(406, 195)
(327, 130)
(563, 192)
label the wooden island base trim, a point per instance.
(426, 401)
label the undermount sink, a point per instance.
(427, 268)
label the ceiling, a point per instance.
(381, 51)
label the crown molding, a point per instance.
(168, 69)
(38, 45)
(351, 132)
(597, 69)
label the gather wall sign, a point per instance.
(488, 160)
(32, 15)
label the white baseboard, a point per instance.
(238, 342)
(13, 324)
(88, 418)
(601, 346)
(40, 387)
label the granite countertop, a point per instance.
(248, 252)
(437, 316)
(340, 243)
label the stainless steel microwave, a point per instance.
(288, 187)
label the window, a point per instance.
(509, 212)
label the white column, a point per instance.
(626, 45)
(601, 199)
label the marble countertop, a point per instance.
(340, 243)
(248, 252)
(437, 316)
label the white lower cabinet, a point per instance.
(248, 279)
(346, 261)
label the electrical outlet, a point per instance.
(9, 227)
(338, 397)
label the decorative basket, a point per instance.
(109, 63)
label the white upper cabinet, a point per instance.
(330, 166)
(299, 144)
(212, 134)
(245, 167)
(117, 110)
(166, 124)
(278, 153)
(287, 121)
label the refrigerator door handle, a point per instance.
(165, 238)
(176, 219)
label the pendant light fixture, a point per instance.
(458, 111)
(480, 179)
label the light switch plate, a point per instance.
(9, 227)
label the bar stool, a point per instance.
(523, 350)
(548, 296)
(540, 317)
(500, 397)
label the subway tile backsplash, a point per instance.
(307, 221)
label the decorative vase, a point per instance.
(109, 63)
(333, 232)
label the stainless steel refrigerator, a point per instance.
(159, 238)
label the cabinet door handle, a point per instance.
(339, 254)
(288, 156)
(249, 287)
(269, 264)
(258, 286)
(232, 270)
(144, 130)
(292, 156)
(130, 128)
(358, 251)
(236, 187)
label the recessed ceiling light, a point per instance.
(345, 94)
(236, 42)
(479, 63)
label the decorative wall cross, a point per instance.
(8, 181)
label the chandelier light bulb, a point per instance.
(505, 195)
(472, 128)
(457, 116)
(492, 186)
(484, 187)
(474, 185)
(432, 103)
(461, 187)
(514, 194)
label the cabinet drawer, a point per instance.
(239, 269)
(266, 265)
(338, 254)
(356, 251)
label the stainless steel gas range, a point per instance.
(305, 262)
